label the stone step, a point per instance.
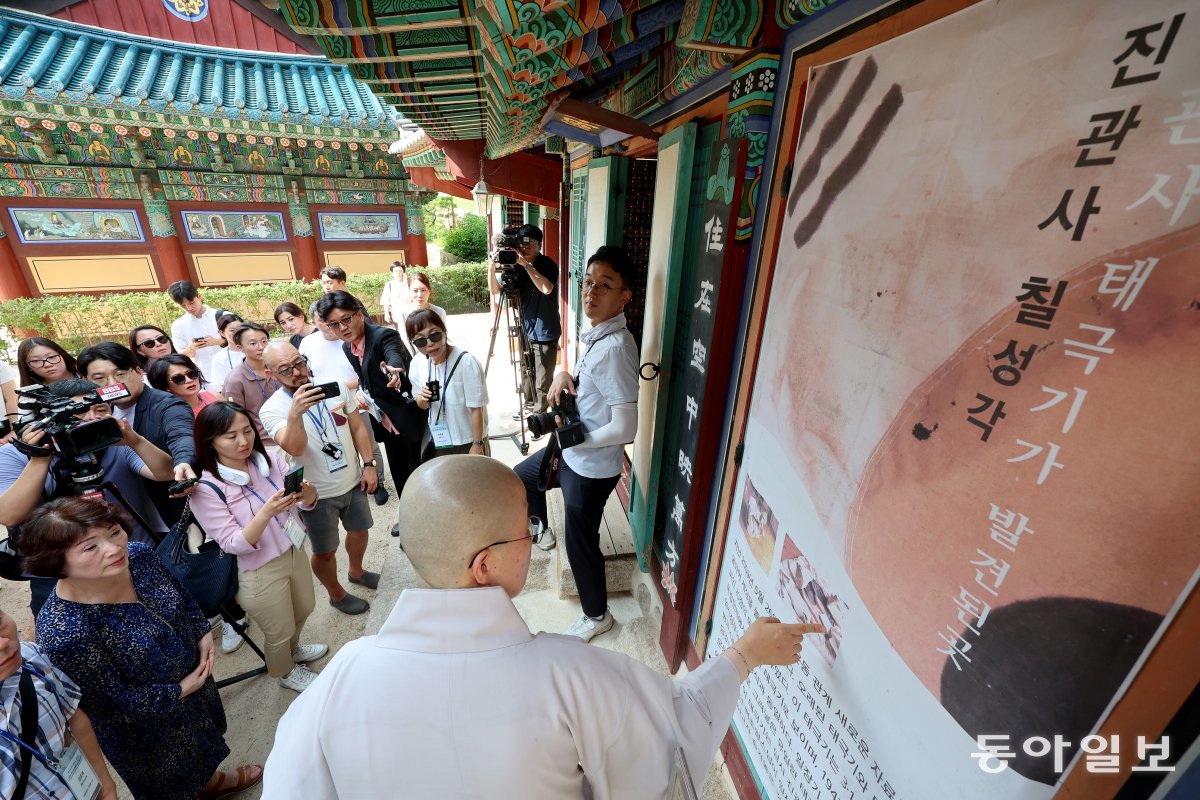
(616, 542)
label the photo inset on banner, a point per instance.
(760, 525)
(811, 598)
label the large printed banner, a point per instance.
(973, 451)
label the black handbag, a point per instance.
(10, 559)
(209, 574)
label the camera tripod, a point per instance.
(226, 614)
(520, 356)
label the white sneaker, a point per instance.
(309, 652)
(587, 628)
(230, 639)
(545, 537)
(299, 679)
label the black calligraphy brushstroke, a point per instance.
(1045, 667)
(921, 433)
(833, 129)
(822, 90)
(852, 164)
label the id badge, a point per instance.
(334, 464)
(77, 773)
(295, 532)
(441, 435)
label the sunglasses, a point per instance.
(190, 375)
(432, 338)
(160, 339)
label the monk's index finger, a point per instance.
(802, 628)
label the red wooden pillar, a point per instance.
(308, 260)
(12, 280)
(550, 238)
(172, 258)
(416, 252)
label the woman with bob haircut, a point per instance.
(257, 522)
(139, 648)
(458, 418)
(179, 375)
(150, 342)
(41, 361)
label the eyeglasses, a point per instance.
(536, 532)
(286, 370)
(38, 363)
(160, 339)
(433, 338)
(190, 375)
(598, 289)
(342, 324)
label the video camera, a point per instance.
(507, 243)
(570, 432)
(67, 434)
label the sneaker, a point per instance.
(381, 495)
(351, 605)
(587, 628)
(299, 679)
(309, 652)
(545, 538)
(230, 639)
(396, 531)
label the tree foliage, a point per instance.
(468, 240)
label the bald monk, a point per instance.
(455, 698)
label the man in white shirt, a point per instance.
(198, 324)
(327, 438)
(455, 698)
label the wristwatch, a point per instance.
(371, 463)
(478, 442)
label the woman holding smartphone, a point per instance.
(605, 390)
(257, 521)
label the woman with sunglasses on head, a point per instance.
(42, 361)
(293, 320)
(139, 648)
(458, 415)
(605, 390)
(257, 521)
(178, 374)
(230, 356)
(150, 342)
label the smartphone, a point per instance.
(332, 390)
(200, 339)
(291, 481)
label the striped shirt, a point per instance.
(58, 697)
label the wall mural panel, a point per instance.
(76, 225)
(343, 227)
(224, 226)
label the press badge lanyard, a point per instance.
(256, 380)
(440, 431)
(291, 528)
(334, 462)
(81, 783)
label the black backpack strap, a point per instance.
(29, 723)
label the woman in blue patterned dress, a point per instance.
(139, 648)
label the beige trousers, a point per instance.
(279, 597)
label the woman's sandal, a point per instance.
(246, 776)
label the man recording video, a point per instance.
(27, 481)
(536, 277)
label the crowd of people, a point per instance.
(214, 417)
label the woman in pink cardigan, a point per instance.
(258, 523)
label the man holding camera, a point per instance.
(537, 287)
(159, 416)
(26, 481)
(322, 433)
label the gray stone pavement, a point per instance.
(253, 707)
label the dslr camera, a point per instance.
(69, 436)
(570, 432)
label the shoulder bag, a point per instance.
(208, 573)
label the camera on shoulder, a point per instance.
(68, 435)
